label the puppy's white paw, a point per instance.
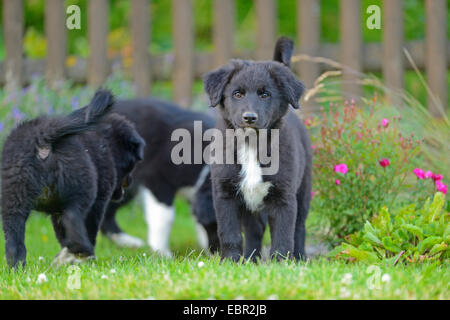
(166, 253)
(65, 257)
(123, 239)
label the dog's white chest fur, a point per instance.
(252, 186)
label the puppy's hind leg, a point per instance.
(159, 217)
(16, 204)
(14, 229)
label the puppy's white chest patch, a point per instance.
(252, 186)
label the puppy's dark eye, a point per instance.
(238, 94)
(264, 94)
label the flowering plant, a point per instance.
(361, 162)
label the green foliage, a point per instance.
(356, 139)
(35, 44)
(406, 235)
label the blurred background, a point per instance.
(165, 46)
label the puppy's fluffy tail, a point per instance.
(79, 120)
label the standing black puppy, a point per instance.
(70, 167)
(255, 95)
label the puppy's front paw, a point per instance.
(65, 257)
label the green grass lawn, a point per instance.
(139, 274)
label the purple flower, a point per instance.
(17, 115)
(1, 126)
(74, 103)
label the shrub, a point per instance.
(361, 161)
(408, 235)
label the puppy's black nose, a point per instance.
(250, 117)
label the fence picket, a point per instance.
(436, 52)
(140, 30)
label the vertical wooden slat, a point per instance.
(98, 36)
(183, 71)
(266, 13)
(308, 31)
(351, 45)
(13, 35)
(55, 32)
(436, 52)
(393, 40)
(223, 31)
(140, 29)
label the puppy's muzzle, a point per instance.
(249, 117)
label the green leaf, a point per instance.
(389, 245)
(438, 248)
(428, 243)
(415, 230)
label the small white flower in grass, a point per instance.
(41, 259)
(344, 293)
(113, 271)
(386, 278)
(272, 297)
(104, 276)
(201, 264)
(28, 279)
(42, 278)
(144, 254)
(347, 279)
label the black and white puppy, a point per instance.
(70, 167)
(256, 95)
(158, 178)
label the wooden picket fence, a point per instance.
(183, 66)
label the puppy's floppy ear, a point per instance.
(216, 80)
(290, 87)
(283, 51)
(138, 144)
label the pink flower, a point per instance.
(441, 187)
(428, 174)
(384, 162)
(338, 182)
(342, 168)
(385, 122)
(314, 147)
(307, 122)
(437, 177)
(312, 194)
(419, 173)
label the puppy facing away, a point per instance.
(251, 96)
(157, 178)
(70, 167)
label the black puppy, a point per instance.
(70, 167)
(256, 95)
(158, 178)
